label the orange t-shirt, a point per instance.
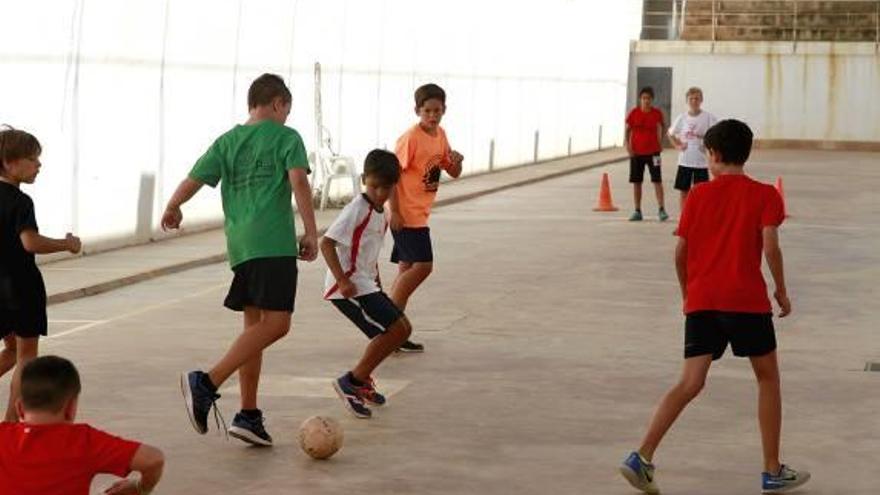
(422, 158)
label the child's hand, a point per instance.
(346, 288)
(455, 157)
(683, 146)
(784, 303)
(308, 247)
(124, 487)
(73, 243)
(396, 222)
(171, 218)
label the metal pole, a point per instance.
(684, 5)
(492, 155)
(600, 137)
(672, 34)
(569, 145)
(877, 29)
(535, 156)
(714, 21)
(795, 27)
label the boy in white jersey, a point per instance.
(687, 134)
(351, 249)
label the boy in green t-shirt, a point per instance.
(258, 165)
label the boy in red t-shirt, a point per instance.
(47, 454)
(644, 130)
(725, 227)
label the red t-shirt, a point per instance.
(59, 459)
(643, 130)
(723, 222)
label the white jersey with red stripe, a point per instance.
(359, 232)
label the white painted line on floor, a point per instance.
(73, 321)
(145, 309)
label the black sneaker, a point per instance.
(411, 347)
(199, 398)
(250, 429)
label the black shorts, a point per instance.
(637, 166)
(412, 245)
(686, 177)
(372, 313)
(708, 332)
(23, 305)
(265, 283)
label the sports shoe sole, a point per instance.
(342, 396)
(410, 351)
(634, 480)
(188, 403)
(800, 482)
(248, 436)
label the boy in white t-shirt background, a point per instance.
(351, 249)
(687, 133)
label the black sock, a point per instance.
(251, 413)
(354, 381)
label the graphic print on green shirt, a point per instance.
(251, 163)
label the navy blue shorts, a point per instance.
(709, 332)
(265, 283)
(372, 313)
(686, 177)
(412, 245)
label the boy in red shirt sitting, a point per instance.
(725, 227)
(47, 454)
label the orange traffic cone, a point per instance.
(605, 203)
(782, 195)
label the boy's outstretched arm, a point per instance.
(681, 266)
(185, 191)
(773, 254)
(302, 192)
(149, 462)
(35, 243)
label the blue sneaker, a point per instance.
(786, 480)
(636, 216)
(662, 215)
(639, 473)
(352, 397)
(372, 396)
(250, 429)
(199, 399)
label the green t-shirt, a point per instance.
(252, 162)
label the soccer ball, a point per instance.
(320, 437)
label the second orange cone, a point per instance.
(605, 203)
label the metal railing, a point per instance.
(782, 20)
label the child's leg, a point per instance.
(381, 347)
(658, 191)
(249, 372)
(354, 313)
(637, 195)
(684, 197)
(272, 326)
(26, 351)
(408, 280)
(693, 377)
(7, 355)
(766, 371)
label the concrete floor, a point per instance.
(551, 333)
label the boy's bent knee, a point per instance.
(691, 388)
(402, 327)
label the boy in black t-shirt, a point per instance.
(22, 293)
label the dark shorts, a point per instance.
(709, 332)
(412, 245)
(689, 176)
(23, 306)
(637, 166)
(265, 283)
(372, 313)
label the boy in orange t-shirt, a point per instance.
(424, 153)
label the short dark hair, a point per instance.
(265, 89)
(48, 382)
(647, 90)
(429, 92)
(731, 139)
(383, 165)
(16, 144)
